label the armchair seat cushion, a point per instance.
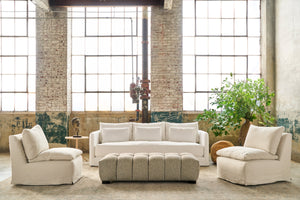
(58, 154)
(246, 153)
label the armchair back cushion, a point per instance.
(265, 138)
(34, 142)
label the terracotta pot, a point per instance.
(243, 131)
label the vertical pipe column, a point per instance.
(145, 82)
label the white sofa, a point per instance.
(162, 137)
(33, 163)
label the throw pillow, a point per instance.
(147, 134)
(115, 135)
(182, 125)
(34, 141)
(265, 138)
(160, 125)
(116, 125)
(178, 134)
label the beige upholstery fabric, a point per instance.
(156, 166)
(254, 172)
(115, 135)
(116, 125)
(61, 153)
(178, 134)
(41, 173)
(140, 167)
(246, 153)
(102, 150)
(34, 141)
(193, 125)
(149, 167)
(147, 134)
(160, 125)
(265, 138)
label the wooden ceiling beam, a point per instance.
(66, 3)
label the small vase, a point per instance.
(244, 131)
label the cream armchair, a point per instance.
(264, 158)
(33, 163)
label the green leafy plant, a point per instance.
(236, 101)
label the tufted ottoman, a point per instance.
(149, 167)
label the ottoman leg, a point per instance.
(192, 182)
(106, 182)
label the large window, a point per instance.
(220, 37)
(17, 55)
(106, 54)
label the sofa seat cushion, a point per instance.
(149, 147)
(246, 153)
(62, 153)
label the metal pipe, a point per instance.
(145, 81)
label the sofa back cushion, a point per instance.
(160, 125)
(265, 138)
(147, 134)
(192, 125)
(179, 134)
(34, 142)
(117, 125)
(115, 135)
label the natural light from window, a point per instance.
(17, 55)
(106, 51)
(219, 38)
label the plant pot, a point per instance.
(243, 132)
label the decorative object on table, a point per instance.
(76, 124)
(237, 101)
(217, 146)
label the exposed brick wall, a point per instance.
(52, 67)
(166, 58)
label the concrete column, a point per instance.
(287, 14)
(268, 46)
(166, 63)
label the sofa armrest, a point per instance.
(94, 139)
(204, 140)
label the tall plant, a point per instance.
(236, 101)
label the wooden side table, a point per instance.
(217, 146)
(76, 139)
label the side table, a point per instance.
(217, 146)
(76, 139)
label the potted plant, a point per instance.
(236, 101)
